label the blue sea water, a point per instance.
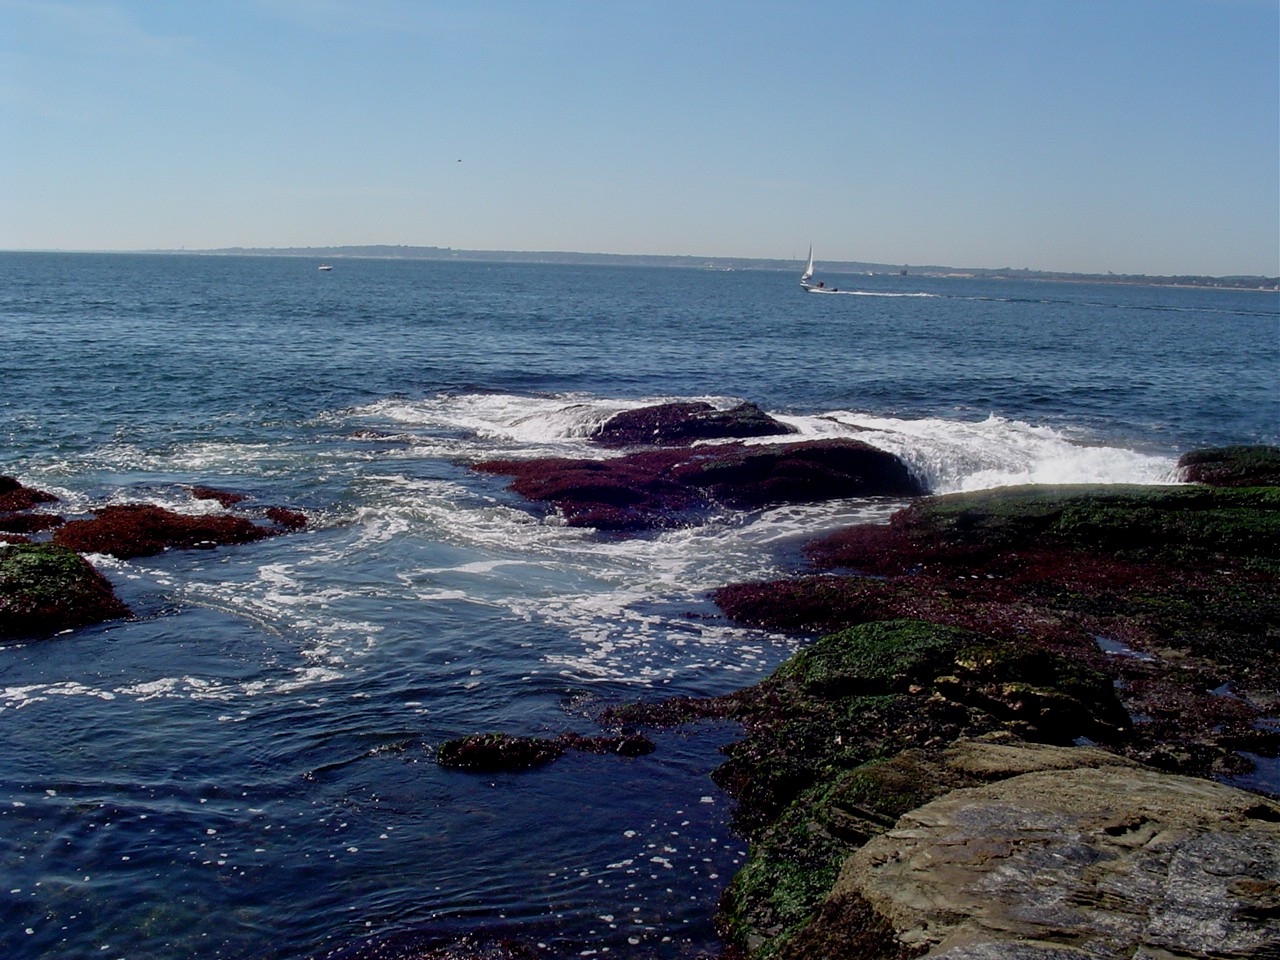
(246, 768)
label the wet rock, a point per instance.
(807, 472)
(624, 745)
(781, 904)
(683, 423)
(45, 589)
(1185, 579)
(1148, 524)
(1096, 862)
(29, 522)
(14, 496)
(493, 752)
(1255, 466)
(225, 497)
(286, 518)
(661, 488)
(138, 530)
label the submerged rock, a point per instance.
(286, 518)
(661, 488)
(139, 530)
(681, 423)
(45, 589)
(495, 752)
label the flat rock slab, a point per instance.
(1106, 862)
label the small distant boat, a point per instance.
(325, 266)
(805, 277)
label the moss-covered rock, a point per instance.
(1049, 613)
(45, 589)
(1242, 466)
(779, 905)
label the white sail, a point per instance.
(808, 271)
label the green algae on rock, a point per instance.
(1049, 613)
(780, 906)
(1257, 466)
(45, 589)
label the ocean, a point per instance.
(246, 768)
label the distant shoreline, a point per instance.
(405, 252)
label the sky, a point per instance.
(1134, 136)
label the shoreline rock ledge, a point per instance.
(1087, 862)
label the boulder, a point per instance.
(682, 423)
(139, 530)
(14, 496)
(45, 589)
(1091, 862)
(653, 489)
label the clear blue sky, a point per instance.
(1128, 135)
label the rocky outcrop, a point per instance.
(15, 496)
(45, 589)
(1129, 581)
(1256, 466)
(677, 424)
(1090, 862)
(140, 530)
(17, 518)
(1028, 619)
(662, 488)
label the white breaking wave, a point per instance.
(953, 456)
(398, 540)
(948, 456)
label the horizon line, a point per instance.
(485, 253)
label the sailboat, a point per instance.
(805, 277)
